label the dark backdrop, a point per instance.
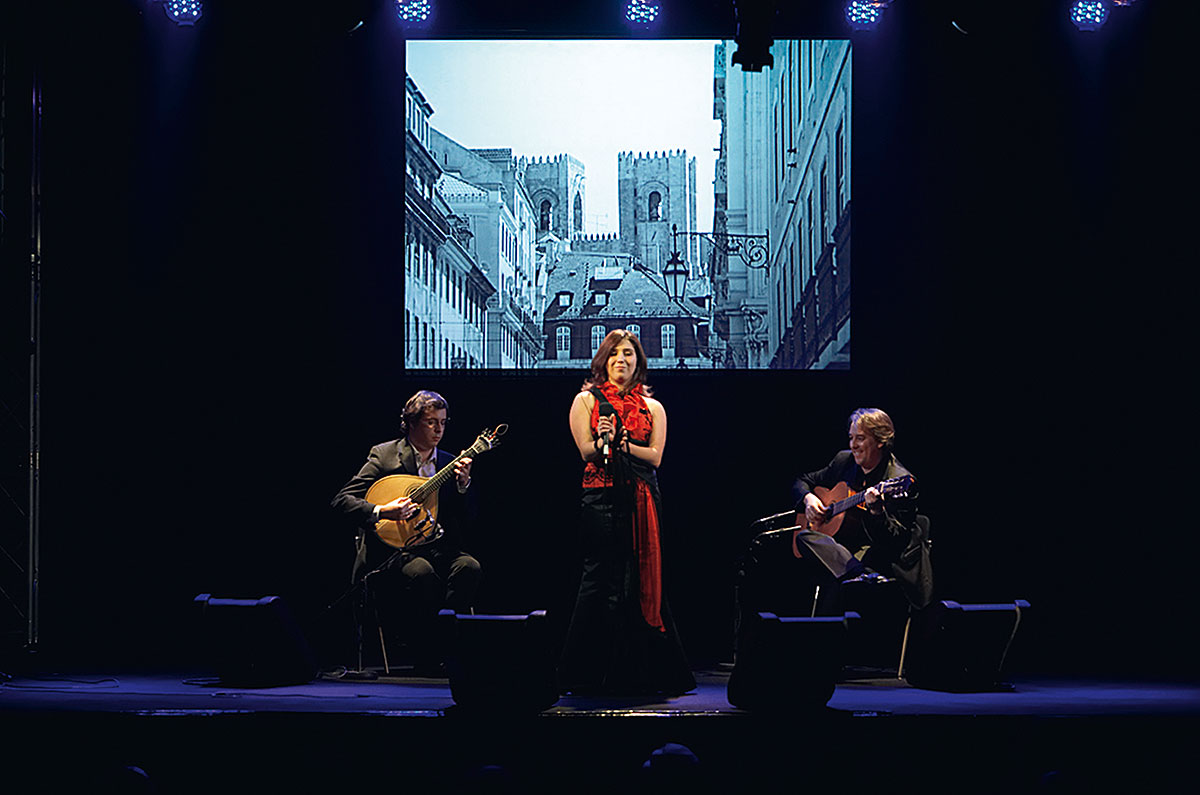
(222, 326)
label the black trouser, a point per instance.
(771, 579)
(410, 588)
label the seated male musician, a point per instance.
(856, 517)
(427, 576)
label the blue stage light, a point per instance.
(1089, 14)
(641, 14)
(183, 12)
(414, 12)
(864, 14)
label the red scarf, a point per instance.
(649, 555)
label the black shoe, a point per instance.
(870, 576)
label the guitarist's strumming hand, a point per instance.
(814, 510)
(398, 510)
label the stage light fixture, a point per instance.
(183, 12)
(1089, 14)
(641, 14)
(755, 20)
(414, 12)
(864, 14)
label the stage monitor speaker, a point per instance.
(500, 662)
(254, 642)
(961, 647)
(789, 663)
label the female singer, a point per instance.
(621, 638)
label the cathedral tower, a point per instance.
(655, 191)
(558, 191)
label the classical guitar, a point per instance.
(422, 527)
(841, 498)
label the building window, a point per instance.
(598, 333)
(798, 72)
(791, 294)
(839, 170)
(562, 342)
(544, 218)
(668, 339)
(564, 299)
(654, 210)
(824, 204)
(779, 310)
(813, 251)
(577, 222)
(601, 299)
(785, 140)
(635, 330)
(778, 161)
(800, 277)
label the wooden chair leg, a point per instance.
(383, 648)
(903, 649)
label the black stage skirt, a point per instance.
(610, 649)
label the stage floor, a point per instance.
(868, 694)
(191, 734)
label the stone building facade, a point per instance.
(508, 234)
(785, 161)
(446, 295)
(485, 190)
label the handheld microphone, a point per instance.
(606, 410)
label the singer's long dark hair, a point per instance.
(599, 374)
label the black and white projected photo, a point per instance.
(557, 190)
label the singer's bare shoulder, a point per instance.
(583, 403)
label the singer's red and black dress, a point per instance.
(621, 638)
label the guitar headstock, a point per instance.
(488, 439)
(896, 487)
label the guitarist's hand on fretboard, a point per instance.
(462, 473)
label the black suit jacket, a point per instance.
(896, 544)
(397, 457)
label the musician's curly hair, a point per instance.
(416, 405)
(875, 422)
